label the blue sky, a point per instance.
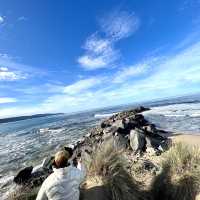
(68, 56)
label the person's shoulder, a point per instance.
(49, 180)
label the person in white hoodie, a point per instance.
(64, 182)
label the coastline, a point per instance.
(142, 142)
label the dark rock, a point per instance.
(141, 109)
(23, 176)
(105, 124)
(148, 165)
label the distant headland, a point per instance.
(19, 118)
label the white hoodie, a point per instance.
(62, 184)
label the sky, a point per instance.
(75, 55)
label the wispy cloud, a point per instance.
(100, 51)
(12, 69)
(7, 75)
(119, 24)
(130, 72)
(82, 85)
(4, 100)
(1, 19)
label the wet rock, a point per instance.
(23, 176)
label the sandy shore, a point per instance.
(187, 138)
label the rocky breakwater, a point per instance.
(129, 130)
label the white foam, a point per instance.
(104, 115)
(176, 110)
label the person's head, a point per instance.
(61, 159)
(69, 150)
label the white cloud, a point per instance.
(7, 75)
(7, 100)
(1, 19)
(130, 72)
(90, 63)
(16, 70)
(173, 75)
(119, 24)
(100, 51)
(96, 44)
(82, 85)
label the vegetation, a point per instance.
(108, 168)
(180, 175)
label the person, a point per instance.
(64, 182)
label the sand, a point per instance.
(187, 138)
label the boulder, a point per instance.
(137, 140)
(118, 124)
(23, 176)
(120, 142)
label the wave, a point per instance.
(104, 115)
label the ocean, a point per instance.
(27, 142)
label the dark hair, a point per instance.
(69, 150)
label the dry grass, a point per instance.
(24, 194)
(180, 175)
(109, 167)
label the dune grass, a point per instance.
(180, 175)
(108, 165)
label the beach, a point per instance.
(189, 139)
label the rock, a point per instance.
(107, 136)
(118, 124)
(141, 109)
(150, 151)
(150, 128)
(105, 124)
(120, 142)
(111, 129)
(148, 165)
(166, 144)
(23, 176)
(137, 141)
(48, 162)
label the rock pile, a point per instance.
(129, 130)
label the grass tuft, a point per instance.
(180, 175)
